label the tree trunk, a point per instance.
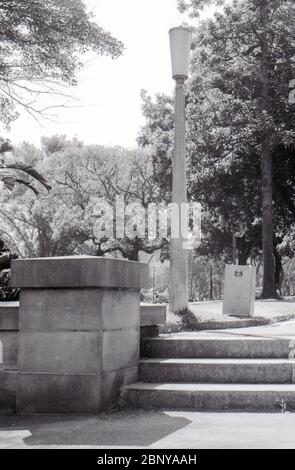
(243, 252)
(134, 255)
(268, 289)
(279, 272)
(211, 282)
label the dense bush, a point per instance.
(7, 293)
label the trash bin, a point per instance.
(239, 290)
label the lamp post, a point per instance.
(180, 44)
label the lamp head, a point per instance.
(180, 46)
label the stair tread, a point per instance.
(219, 387)
(217, 338)
(179, 361)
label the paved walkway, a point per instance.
(151, 430)
(285, 329)
(280, 330)
(209, 315)
(273, 310)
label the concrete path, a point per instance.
(209, 315)
(151, 430)
(281, 330)
(285, 329)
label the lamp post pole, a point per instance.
(179, 255)
(180, 41)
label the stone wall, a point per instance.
(79, 324)
(74, 340)
(151, 315)
(77, 345)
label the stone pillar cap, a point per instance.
(78, 271)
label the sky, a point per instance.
(107, 109)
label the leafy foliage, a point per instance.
(64, 221)
(7, 293)
(41, 42)
(13, 171)
(157, 135)
(195, 6)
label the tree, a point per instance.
(158, 136)
(13, 171)
(41, 42)
(249, 52)
(65, 221)
(227, 184)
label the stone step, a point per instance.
(210, 397)
(267, 371)
(192, 346)
(8, 384)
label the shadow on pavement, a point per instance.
(121, 428)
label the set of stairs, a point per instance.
(214, 372)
